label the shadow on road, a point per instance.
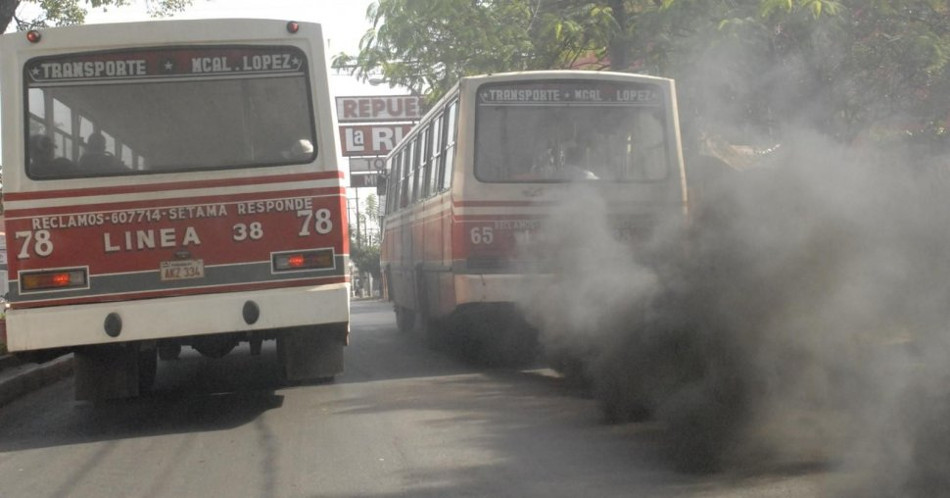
(191, 395)
(197, 394)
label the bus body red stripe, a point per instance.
(170, 186)
(158, 203)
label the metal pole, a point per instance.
(359, 242)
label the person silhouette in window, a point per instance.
(96, 158)
(575, 163)
(300, 150)
(43, 160)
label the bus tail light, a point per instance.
(33, 36)
(318, 259)
(70, 278)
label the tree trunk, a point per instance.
(617, 49)
(7, 10)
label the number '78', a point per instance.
(320, 219)
(39, 240)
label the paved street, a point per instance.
(402, 421)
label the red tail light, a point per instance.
(56, 279)
(317, 259)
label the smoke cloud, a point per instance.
(801, 318)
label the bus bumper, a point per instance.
(497, 288)
(150, 319)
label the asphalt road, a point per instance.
(402, 421)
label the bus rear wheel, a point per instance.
(114, 371)
(405, 319)
(169, 351)
(312, 353)
(497, 335)
(148, 369)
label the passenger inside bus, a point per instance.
(43, 162)
(300, 150)
(566, 161)
(97, 158)
(541, 167)
(575, 144)
(575, 164)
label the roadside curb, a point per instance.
(18, 379)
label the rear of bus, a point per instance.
(550, 146)
(169, 184)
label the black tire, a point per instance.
(507, 340)
(256, 344)
(169, 352)
(434, 333)
(405, 319)
(311, 354)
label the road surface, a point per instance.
(402, 421)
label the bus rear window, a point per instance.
(167, 110)
(559, 131)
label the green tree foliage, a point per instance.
(371, 205)
(366, 258)
(842, 67)
(364, 240)
(852, 69)
(426, 45)
(68, 12)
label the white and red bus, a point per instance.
(172, 183)
(472, 182)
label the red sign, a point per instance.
(383, 108)
(371, 140)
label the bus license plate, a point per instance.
(183, 269)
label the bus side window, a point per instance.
(391, 183)
(437, 155)
(403, 182)
(414, 169)
(450, 131)
(425, 162)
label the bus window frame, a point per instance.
(137, 169)
(663, 106)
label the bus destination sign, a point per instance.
(568, 93)
(165, 63)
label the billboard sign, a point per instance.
(371, 140)
(367, 164)
(386, 108)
